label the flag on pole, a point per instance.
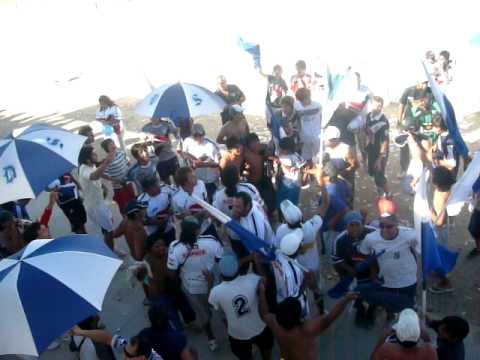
(435, 257)
(463, 188)
(248, 239)
(448, 114)
(253, 50)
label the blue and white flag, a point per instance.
(253, 50)
(448, 114)
(435, 257)
(248, 239)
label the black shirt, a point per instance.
(377, 131)
(446, 350)
(277, 88)
(168, 343)
(234, 94)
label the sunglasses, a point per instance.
(387, 226)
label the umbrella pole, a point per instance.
(424, 299)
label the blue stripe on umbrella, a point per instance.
(82, 243)
(6, 271)
(4, 147)
(36, 298)
(173, 103)
(36, 159)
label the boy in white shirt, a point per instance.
(192, 258)
(237, 297)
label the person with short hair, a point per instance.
(301, 80)
(451, 331)
(145, 168)
(231, 94)
(377, 142)
(291, 124)
(117, 172)
(290, 177)
(235, 154)
(277, 87)
(236, 296)
(237, 126)
(132, 227)
(402, 341)
(161, 129)
(204, 156)
(184, 204)
(296, 337)
(87, 131)
(90, 178)
(192, 259)
(159, 220)
(398, 264)
(310, 113)
(110, 115)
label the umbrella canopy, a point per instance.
(32, 158)
(180, 101)
(48, 287)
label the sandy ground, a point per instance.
(124, 313)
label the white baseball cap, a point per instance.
(331, 132)
(291, 242)
(407, 327)
(290, 212)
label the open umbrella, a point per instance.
(180, 101)
(48, 287)
(32, 158)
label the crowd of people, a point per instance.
(191, 266)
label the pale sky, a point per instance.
(114, 44)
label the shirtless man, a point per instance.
(237, 127)
(296, 338)
(234, 155)
(132, 227)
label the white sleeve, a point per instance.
(177, 209)
(316, 222)
(87, 351)
(85, 172)
(117, 113)
(218, 250)
(216, 153)
(217, 200)
(172, 261)
(365, 247)
(100, 115)
(212, 299)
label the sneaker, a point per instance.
(53, 345)
(212, 345)
(437, 289)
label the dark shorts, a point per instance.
(76, 214)
(167, 168)
(474, 224)
(242, 349)
(409, 291)
(378, 175)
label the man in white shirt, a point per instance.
(398, 264)
(184, 204)
(311, 118)
(252, 218)
(236, 296)
(159, 211)
(192, 258)
(204, 156)
(93, 191)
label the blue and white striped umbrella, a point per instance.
(48, 287)
(180, 101)
(32, 158)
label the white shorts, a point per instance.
(310, 148)
(101, 216)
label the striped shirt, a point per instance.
(118, 169)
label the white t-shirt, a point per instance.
(159, 207)
(114, 111)
(291, 169)
(224, 203)
(238, 299)
(310, 259)
(193, 261)
(398, 265)
(311, 117)
(183, 202)
(338, 152)
(206, 148)
(92, 189)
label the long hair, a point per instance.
(104, 99)
(188, 235)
